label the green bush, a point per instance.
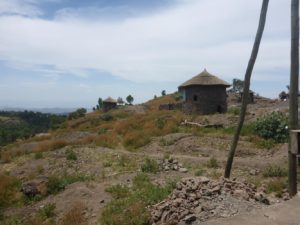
(200, 172)
(118, 191)
(38, 155)
(268, 144)
(276, 186)
(107, 117)
(47, 211)
(234, 110)
(71, 155)
(272, 126)
(150, 166)
(274, 171)
(212, 163)
(129, 206)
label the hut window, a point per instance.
(195, 98)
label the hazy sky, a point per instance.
(67, 53)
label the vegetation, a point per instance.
(71, 155)
(47, 211)
(276, 186)
(212, 163)
(274, 171)
(273, 126)
(130, 207)
(129, 99)
(75, 215)
(22, 125)
(9, 189)
(77, 114)
(150, 166)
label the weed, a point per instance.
(276, 186)
(150, 166)
(166, 142)
(274, 171)
(234, 110)
(47, 211)
(12, 221)
(107, 164)
(135, 140)
(131, 208)
(212, 163)
(38, 155)
(200, 172)
(263, 143)
(71, 155)
(74, 216)
(118, 191)
(107, 117)
(56, 184)
(9, 189)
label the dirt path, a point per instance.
(287, 213)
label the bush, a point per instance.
(272, 126)
(107, 117)
(268, 144)
(234, 110)
(47, 211)
(274, 171)
(9, 187)
(131, 208)
(118, 191)
(71, 155)
(200, 172)
(276, 186)
(212, 163)
(38, 155)
(150, 166)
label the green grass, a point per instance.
(265, 143)
(38, 155)
(212, 163)
(129, 206)
(47, 211)
(200, 172)
(276, 186)
(274, 171)
(150, 166)
(71, 155)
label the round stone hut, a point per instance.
(204, 94)
(109, 104)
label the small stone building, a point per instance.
(109, 104)
(204, 94)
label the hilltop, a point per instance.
(124, 166)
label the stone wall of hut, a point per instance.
(205, 99)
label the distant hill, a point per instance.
(56, 110)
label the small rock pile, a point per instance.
(172, 164)
(199, 198)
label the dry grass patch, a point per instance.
(75, 216)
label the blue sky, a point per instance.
(67, 53)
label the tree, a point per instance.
(155, 97)
(120, 101)
(129, 99)
(293, 93)
(246, 86)
(94, 109)
(163, 92)
(237, 85)
(100, 103)
(283, 95)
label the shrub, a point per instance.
(234, 110)
(107, 117)
(71, 155)
(200, 172)
(160, 123)
(47, 211)
(135, 140)
(212, 163)
(150, 166)
(118, 191)
(272, 126)
(38, 155)
(268, 144)
(131, 209)
(276, 186)
(274, 171)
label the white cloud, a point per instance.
(171, 45)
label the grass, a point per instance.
(71, 155)
(265, 143)
(9, 191)
(276, 186)
(56, 184)
(150, 166)
(212, 163)
(38, 155)
(75, 215)
(200, 172)
(47, 211)
(274, 171)
(129, 206)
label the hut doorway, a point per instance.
(219, 109)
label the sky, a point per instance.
(68, 53)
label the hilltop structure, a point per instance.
(204, 94)
(109, 104)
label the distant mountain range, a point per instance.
(57, 110)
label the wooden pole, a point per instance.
(294, 89)
(260, 30)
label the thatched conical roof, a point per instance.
(206, 79)
(110, 100)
